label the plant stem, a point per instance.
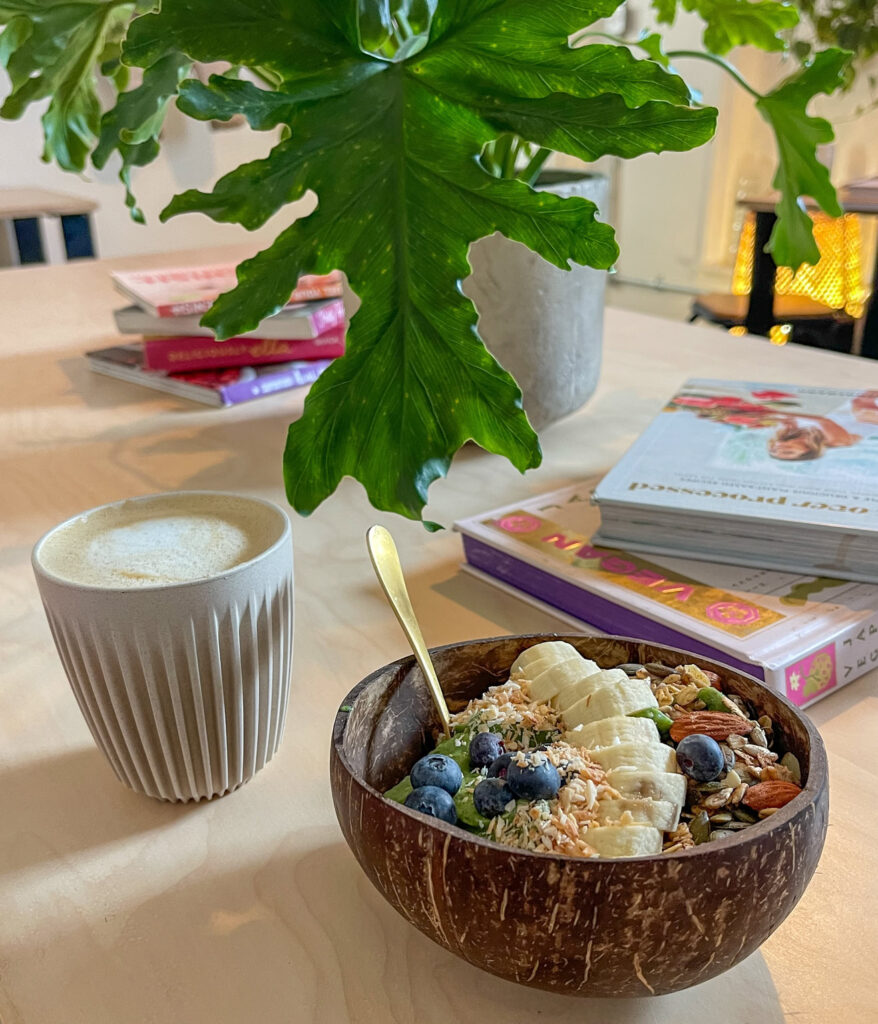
(515, 145)
(724, 64)
(532, 171)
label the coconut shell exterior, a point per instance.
(614, 927)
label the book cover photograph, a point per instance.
(772, 451)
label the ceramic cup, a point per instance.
(184, 686)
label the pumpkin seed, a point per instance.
(630, 668)
(743, 815)
(791, 763)
(700, 828)
(720, 833)
(654, 669)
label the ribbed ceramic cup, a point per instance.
(184, 686)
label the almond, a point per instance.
(773, 793)
(717, 724)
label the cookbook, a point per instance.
(805, 636)
(179, 291)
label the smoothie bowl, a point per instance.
(629, 819)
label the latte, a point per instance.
(161, 540)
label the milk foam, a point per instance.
(168, 539)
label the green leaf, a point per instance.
(651, 43)
(799, 172)
(391, 148)
(53, 49)
(132, 126)
(665, 10)
(730, 23)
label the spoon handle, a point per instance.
(385, 561)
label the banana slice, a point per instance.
(652, 757)
(567, 696)
(624, 840)
(546, 684)
(609, 731)
(661, 814)
(617, 698)
(636, 782)
(552, 650)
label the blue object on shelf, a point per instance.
(28, 240)
(77, 236)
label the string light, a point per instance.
(836, 280)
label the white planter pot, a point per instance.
(543, 324)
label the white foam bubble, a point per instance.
(168, 539)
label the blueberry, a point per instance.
(437, 770)
(484, 748)
(536, 779)
(433, 801)
(700, 757)
(499, 766)
(491, 797)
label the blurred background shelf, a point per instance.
(41, 226)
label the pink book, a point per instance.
(179, 291)
(179, 354)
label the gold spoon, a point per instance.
(385, 562)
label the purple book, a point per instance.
(805, 636)
(212, 387)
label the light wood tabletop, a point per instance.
(117, 909)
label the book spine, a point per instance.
(296, 375)
(309, 289)
(829, 664)
(180, 354)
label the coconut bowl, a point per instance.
(594, 927)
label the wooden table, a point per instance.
(115, 909)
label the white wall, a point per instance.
(193, 155)
(661, 199)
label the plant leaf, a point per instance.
(132, 126)
(391, 147)
(53, 49)
(799, 172)
(730, 23)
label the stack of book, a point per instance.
(771, 475)
(175, 354)
(717, 491)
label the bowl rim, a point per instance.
(815, 784)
